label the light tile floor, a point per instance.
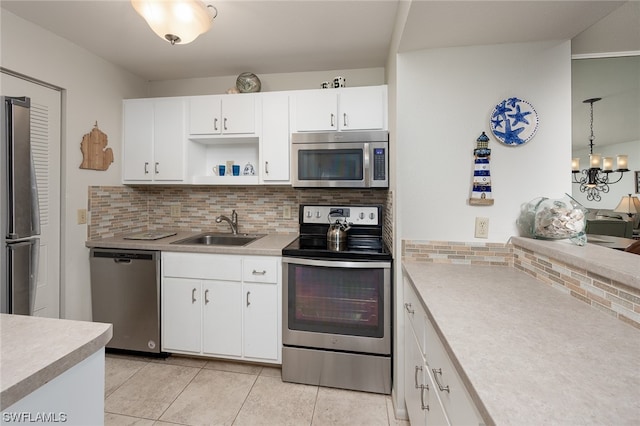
(145, 391)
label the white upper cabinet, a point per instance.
(222, 115)
(356, 108)
(153, 140)
(274, 143)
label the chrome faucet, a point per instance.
(233, 222)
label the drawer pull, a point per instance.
(415, 375)
(193, 296)
(407, 306)
(263, 272)
(248, 302)
(422, 404)
(215, 124)
(206, 298)
(146, 168)
(344, 120)
(437, 371)
(225, 124)
(332, 122)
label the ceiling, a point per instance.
(287, 36)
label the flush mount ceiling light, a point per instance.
(176, 21)
(595, 179)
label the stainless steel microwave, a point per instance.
(340, 159)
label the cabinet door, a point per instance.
(316, 110)
(222, 318)
(238, 114)
(260, 307)
(181, 315)
(414, 367)
(275, 145)
(363, 108)
(205, 115)
(169, 140)
(137, 146)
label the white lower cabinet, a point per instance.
(434, 392)
(222, 306)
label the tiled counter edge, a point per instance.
(606, 279)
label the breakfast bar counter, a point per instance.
(42, 356)
(527, 352)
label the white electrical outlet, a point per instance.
(176, 211)
(482, 227)
(286, 212)
(82, 216)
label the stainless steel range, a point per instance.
(337, 301)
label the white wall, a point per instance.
(445, 98)
(93, 91)
(616, 191)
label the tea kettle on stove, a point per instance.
(337, 235)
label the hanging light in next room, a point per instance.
(595, 179)
(176, 21)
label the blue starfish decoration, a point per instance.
(518, 116)
(510, 136)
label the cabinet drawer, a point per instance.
(455, 399)
(415, 314)
(260, 270)
(202, 266)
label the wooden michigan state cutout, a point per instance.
(95, 154)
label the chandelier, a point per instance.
(176, 21)
(595, 179)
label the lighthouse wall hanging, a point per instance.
(481, 190)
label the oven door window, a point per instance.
(336, 300)
(330, 164)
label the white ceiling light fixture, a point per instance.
(176, 21)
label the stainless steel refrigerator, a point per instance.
(19, 208)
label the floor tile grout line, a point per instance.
(245, 398)
(180, 393)
(315, 404)
(122, 384)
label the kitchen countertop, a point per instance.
(269, 245)
(528, 353)
(36, 350)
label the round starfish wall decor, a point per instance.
(514, 121)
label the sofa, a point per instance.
(608, 222)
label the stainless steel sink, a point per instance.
(215, 239)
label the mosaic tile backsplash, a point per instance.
(118, 210)
(611, 297)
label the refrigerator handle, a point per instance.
(35, 202)
(33, 275)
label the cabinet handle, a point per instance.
(415, 375)
(225, 123)
(263, 272)
(344, 120)
(407, 306)
(437, 371)
(248, 302)
(332, 120)
(206, 297)
(422, 404)
(193, 296)
(146, 168)
(156, 168)
(215, 124)
(266, 167)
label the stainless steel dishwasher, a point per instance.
(125, 291)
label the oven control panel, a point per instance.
(356, 215)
